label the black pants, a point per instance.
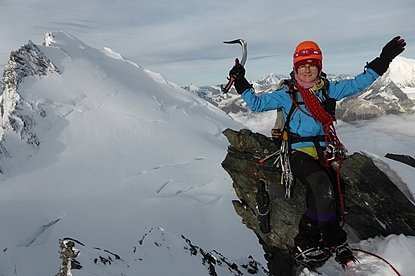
(319, 224)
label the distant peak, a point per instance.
(63, 40)
(402, 72)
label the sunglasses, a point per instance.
(307, 52)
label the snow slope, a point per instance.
(124, 151)
(128, 164)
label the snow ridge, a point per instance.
(158, 246)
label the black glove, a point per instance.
(238, 74)
(392, 49)
(238, 71)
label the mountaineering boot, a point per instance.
(312, 257)
(344, 255)
(335, 238)
(309, 249)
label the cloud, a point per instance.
(183, 39)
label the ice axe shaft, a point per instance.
(231, 80)
(228, 86)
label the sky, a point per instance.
(183, 39)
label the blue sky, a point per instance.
(183, 39)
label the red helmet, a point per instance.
(307, 52)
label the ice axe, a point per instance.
(231, 80)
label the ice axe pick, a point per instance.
(231, 79)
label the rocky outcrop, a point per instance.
(67, 254)
(18, 116)
(374, 204)
(29, 60)
(406, 159)
(149, 257)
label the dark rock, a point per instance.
(406, 159)
(373, 203)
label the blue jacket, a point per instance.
(301, 123)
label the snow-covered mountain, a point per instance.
(98, 149)
(19, 115)
(393, 93)
(125, 164)
(231, 102)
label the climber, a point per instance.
(313, 143)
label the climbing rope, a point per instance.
(332, 140)
(379, 257)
